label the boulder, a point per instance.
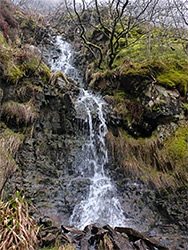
(102, 238)
(161, 105)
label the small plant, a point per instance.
(17, 228)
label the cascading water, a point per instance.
(64, 61)
(101, 204)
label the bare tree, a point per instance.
(180, 17)
(114, 19)
(19, 2)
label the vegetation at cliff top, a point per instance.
(127, 30)
(127, 39)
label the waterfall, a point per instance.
(101, 204)
(64, 62)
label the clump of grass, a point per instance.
(17, 229)
(9, 145)
(20, 114)
(8, 167)
(10, 141)
(28, 91)
(163, 164)
(55, 75)
(13, 72)
(105, 80)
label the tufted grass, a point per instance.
(9, 145)
(17, 229)
(19, 113)
(148, 159)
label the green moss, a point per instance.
(28, 23)
(174, 79)
(32, 66)
(44, 72)
(122, 42)
(185, 106)
(177, 148)
(13, 72)
(139, 71)
(156, 108)
(23, 24)
(33, 27)
(155, 65)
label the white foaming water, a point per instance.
(64, 61)
(101, 205)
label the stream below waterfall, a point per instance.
(101, 204)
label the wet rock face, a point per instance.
(161, 105)
(47, 155)
(155, 106)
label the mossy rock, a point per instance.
(174, 79)
(155, 66)
(105, 81)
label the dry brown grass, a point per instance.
(10, 141)
(19, 113)
(7, 169)
(55, 75)
(17, 229)
(9, 145)
(146, 159)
